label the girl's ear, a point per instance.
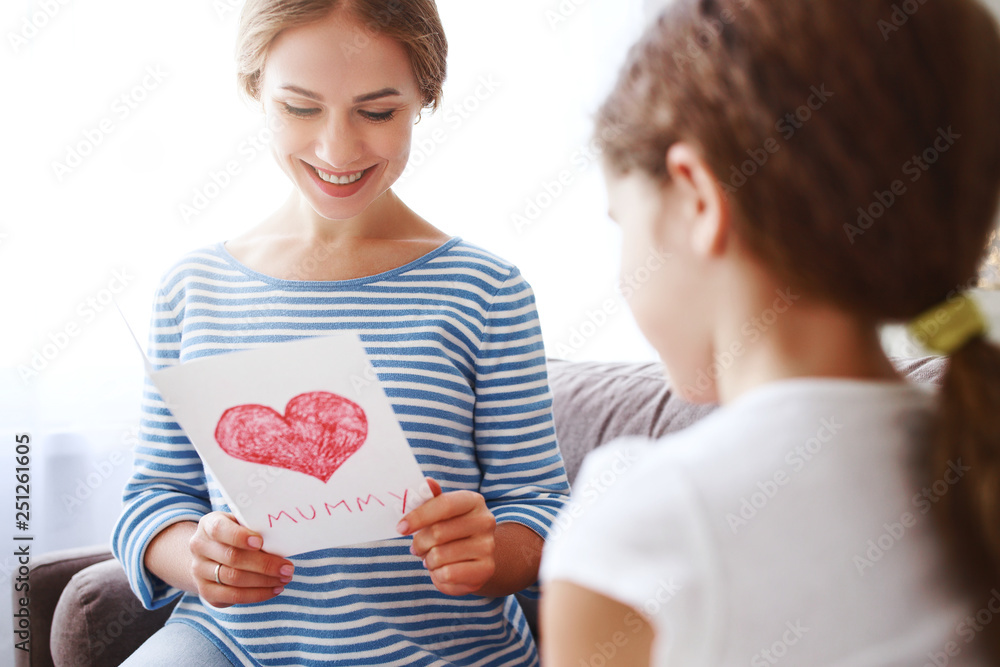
(704, 204)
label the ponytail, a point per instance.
(965, 441)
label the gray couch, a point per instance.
(83, 612)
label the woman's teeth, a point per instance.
(340, 180)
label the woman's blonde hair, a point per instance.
(858, 145)
(413, 23)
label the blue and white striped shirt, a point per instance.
(455, 340)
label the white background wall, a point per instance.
(76, 77)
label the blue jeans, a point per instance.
(177, 645)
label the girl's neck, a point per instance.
(784, 334)
(823, 346)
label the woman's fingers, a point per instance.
(454, 534)
(231, 576)
(230, 566)
(470, 549)
(463, 578)
(258, 562)
(441, 508)
(457, 529)
(222, 527)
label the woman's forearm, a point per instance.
(517, 552)
(168, 555)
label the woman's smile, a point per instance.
(340, 184)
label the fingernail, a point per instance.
(255, 542)
(403, 527)
(287, 570)
(278, 590)
(425, 563)
(413, 551)
(286, 580)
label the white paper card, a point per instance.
(302, 439)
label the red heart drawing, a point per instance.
(318, 433)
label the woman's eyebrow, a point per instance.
(302, 91)
(379, 94)
(368, 97)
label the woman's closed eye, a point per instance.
(298, 111)
(379, 117)
(373, 116)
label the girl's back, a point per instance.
(787, 527)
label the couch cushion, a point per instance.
(48, 575)
(595, 402)
(99, 621)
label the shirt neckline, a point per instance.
(223, 252)
(837, 386)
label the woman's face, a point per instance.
(342, 103)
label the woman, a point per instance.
(451, 330)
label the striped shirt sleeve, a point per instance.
(523, 477)
(168, 482)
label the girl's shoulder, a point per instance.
(771, 423)
(779, 428)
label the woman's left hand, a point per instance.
(454, 534)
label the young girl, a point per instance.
(812, 169)
(451, 330)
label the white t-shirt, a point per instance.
(788, 527)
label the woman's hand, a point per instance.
(247, 573)
(454, 534)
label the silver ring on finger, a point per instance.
(218, 566)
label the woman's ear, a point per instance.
(704, 204)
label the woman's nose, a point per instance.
(340, 144)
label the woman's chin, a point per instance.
(336, 210)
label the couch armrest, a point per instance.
(48, 576)
(99, 620)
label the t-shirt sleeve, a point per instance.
(635, 533)
(523, 477)
(168, 483)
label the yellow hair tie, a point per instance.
(946, 328)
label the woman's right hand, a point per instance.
(247, 573)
